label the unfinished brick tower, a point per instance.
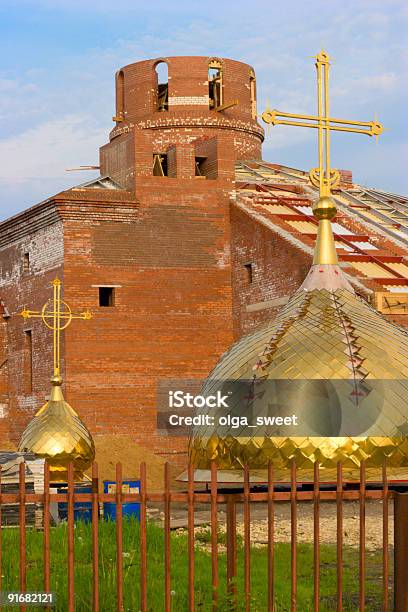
(194, 116)
(146, 248)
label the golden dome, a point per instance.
(325, 335)
(57, 434)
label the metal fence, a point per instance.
(214, 498)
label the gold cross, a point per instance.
(324, 176)
(56, 317)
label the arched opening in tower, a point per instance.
(120, 95)
(162, 74)
(215, 93)
(252, 91)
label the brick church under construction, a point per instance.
(186, 242)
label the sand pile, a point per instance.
(6, 445)
(111, 449)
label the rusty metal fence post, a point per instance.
(401, 552)
(95, 538)
(232, 550)
(214, 534)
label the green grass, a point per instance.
(107, 569)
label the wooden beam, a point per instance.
(223, 107)
(268, 304)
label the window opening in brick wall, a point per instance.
(249, 272)
(215, 90)
(120, 96)
(162, 75)
(28, 361)
(106, 297)
(26, 263)
(160, 164)
(200, 167)
(252, 90)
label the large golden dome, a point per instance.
(325, 333)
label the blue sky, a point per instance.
(58, 59)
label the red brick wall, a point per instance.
(119, 161)
(40, 232)
(171, 153)
(207, 147)
(40, 235)
(173, 304)
(278, 269)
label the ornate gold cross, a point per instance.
(324, 176)
(56, 317)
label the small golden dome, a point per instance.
(57, 434)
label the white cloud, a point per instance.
(283, 137)
(45, 151)
(385, 83)
(368, 87)
(7, 85)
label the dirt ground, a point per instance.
(259, 524)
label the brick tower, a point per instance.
(197, 114)
(146, 248)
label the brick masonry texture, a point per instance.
(176, 249)
(277, 270)
(188, 100)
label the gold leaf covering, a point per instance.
(57, 434)
(325, 332)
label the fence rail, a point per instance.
(214, 499)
